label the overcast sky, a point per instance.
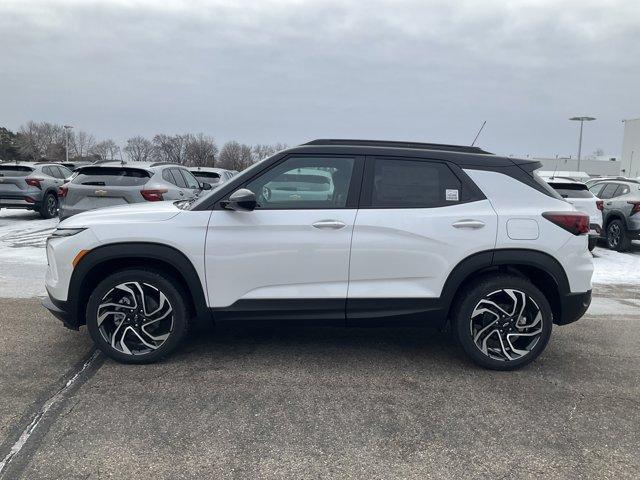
(265, 71)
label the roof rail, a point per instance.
(105, 160)
(158, 164)
(396, 144)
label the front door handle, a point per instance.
(329, 224)
(473, 224)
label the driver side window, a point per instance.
(304, 183)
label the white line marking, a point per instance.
(37, 418)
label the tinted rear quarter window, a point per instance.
(413, 184)
(112, 176)
(14, 171)
(621, 190)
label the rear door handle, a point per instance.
(329, 224)
(473, 224)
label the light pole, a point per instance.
(66, 149)
(581, 120)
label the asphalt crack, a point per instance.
(16, 451)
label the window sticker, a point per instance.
(451, 195)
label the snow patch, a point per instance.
(616, 268)
(23, 260)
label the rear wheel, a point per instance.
(502, 322)
(137, 316)
(49, 207)
(617, 236)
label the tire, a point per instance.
(617, 236)
(49, 207)
(506, 293)
(593, 242)
(123, 336)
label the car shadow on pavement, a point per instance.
(321, 343)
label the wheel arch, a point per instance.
(544, 271)
(615, 215)
(107, 259)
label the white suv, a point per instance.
(367, 233)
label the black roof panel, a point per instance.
(397, 144)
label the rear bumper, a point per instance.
(572, 307)
(19, 201)
(60, 310)
(595, 230)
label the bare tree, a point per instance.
(107, 150)
(200, 150)
(138, 149)
(80, 144)
(235, 156)
(169, 148)
(261, 152)
(41, 140)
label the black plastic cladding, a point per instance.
(519, 169)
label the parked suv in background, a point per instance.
(212, 175)
(119, 183)
(32, 186)
(621, 214)
(410, 233)
(578, 195)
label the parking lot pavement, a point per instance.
(35, 353)
(271, 402)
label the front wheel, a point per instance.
(137, 316)
(502, 322)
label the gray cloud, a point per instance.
(265, 71)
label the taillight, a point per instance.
(34, 182)
(573, 222)
(600, 204)
(153, 195)
(62, 191)
(636, 207)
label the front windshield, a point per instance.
(206, 193)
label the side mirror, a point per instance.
(205, 186)
(241, 200)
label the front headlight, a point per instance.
(66, 232)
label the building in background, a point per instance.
(594, 167)
(631, 148)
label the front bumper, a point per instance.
(572, 307)
(60, 310)
(633, 234)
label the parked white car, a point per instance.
(578, 195)
(440, 235)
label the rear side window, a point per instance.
(413, 184)
(571, 190)
(112, 177)
(609, 190)
(177, 178)
(65, 172)
(189, 178)
(14, 171)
